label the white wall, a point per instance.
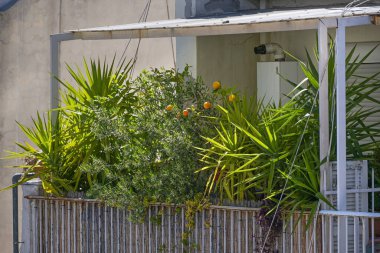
(230, 58)
(25, 66)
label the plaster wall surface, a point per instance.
(24, 60)
(229, 59)
(25, 63)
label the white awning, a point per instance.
(284, 20)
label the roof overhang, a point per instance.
(274, 21)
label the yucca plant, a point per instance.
(97, 88)
(249, 159)
(274, 154)
(46, 155)
(362, 137)
(57, 151)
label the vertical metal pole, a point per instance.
(224, 231)
(239, 231)
(46, 226)
(93, 226)
(183, 225)
(283, 237)
(254, 231)
(196, 228)
(246, 232)
(175, 230)
(210, 229)
(15, 180)
(169, 228)
(218, 231)
(54, 67)
(69, 227)
(232, 230)
(340, 67)
(63, 227)
(323, 102)
(364, 232)
(125, 231)
(149, 229)
(55, 41)
(162, 226)
(331, 235)
(356, 234)
(203, 234)
(291, 234)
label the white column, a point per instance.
(340, 70)
(55, 41)
(323, 102)
(186, 47)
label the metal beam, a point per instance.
(55, 41)
(323, 102)
(340, 71)
(204, 30)
(355, 21)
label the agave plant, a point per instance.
(274, 153)
(46, 156)
(97, 88)
(252, 158)
(56, 151)
(362, 137)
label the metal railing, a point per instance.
(360, 231)
(75, 225)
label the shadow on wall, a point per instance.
(1, 127)
(6, 4)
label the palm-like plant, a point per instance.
(99, 87)
(274, 153)
(57, 151)
(47, 157)
(362, 137)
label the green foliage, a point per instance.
(46, 156)
(253, 159)
(263, 152)
(115, 139)
(362, 136)
(154, 147)
(55, 152)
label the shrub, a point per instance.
(127, 142)
(153, 148)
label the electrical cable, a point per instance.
(171, 37)
(143, 16)
(290, 171)
(351, 5)
(292, 165)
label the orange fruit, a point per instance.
(185, 113)
(207, 105)
(231, 98)
(216, 85)
(169, 108)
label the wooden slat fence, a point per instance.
(76, 225)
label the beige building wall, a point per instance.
(230, 58)
(25, 63)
